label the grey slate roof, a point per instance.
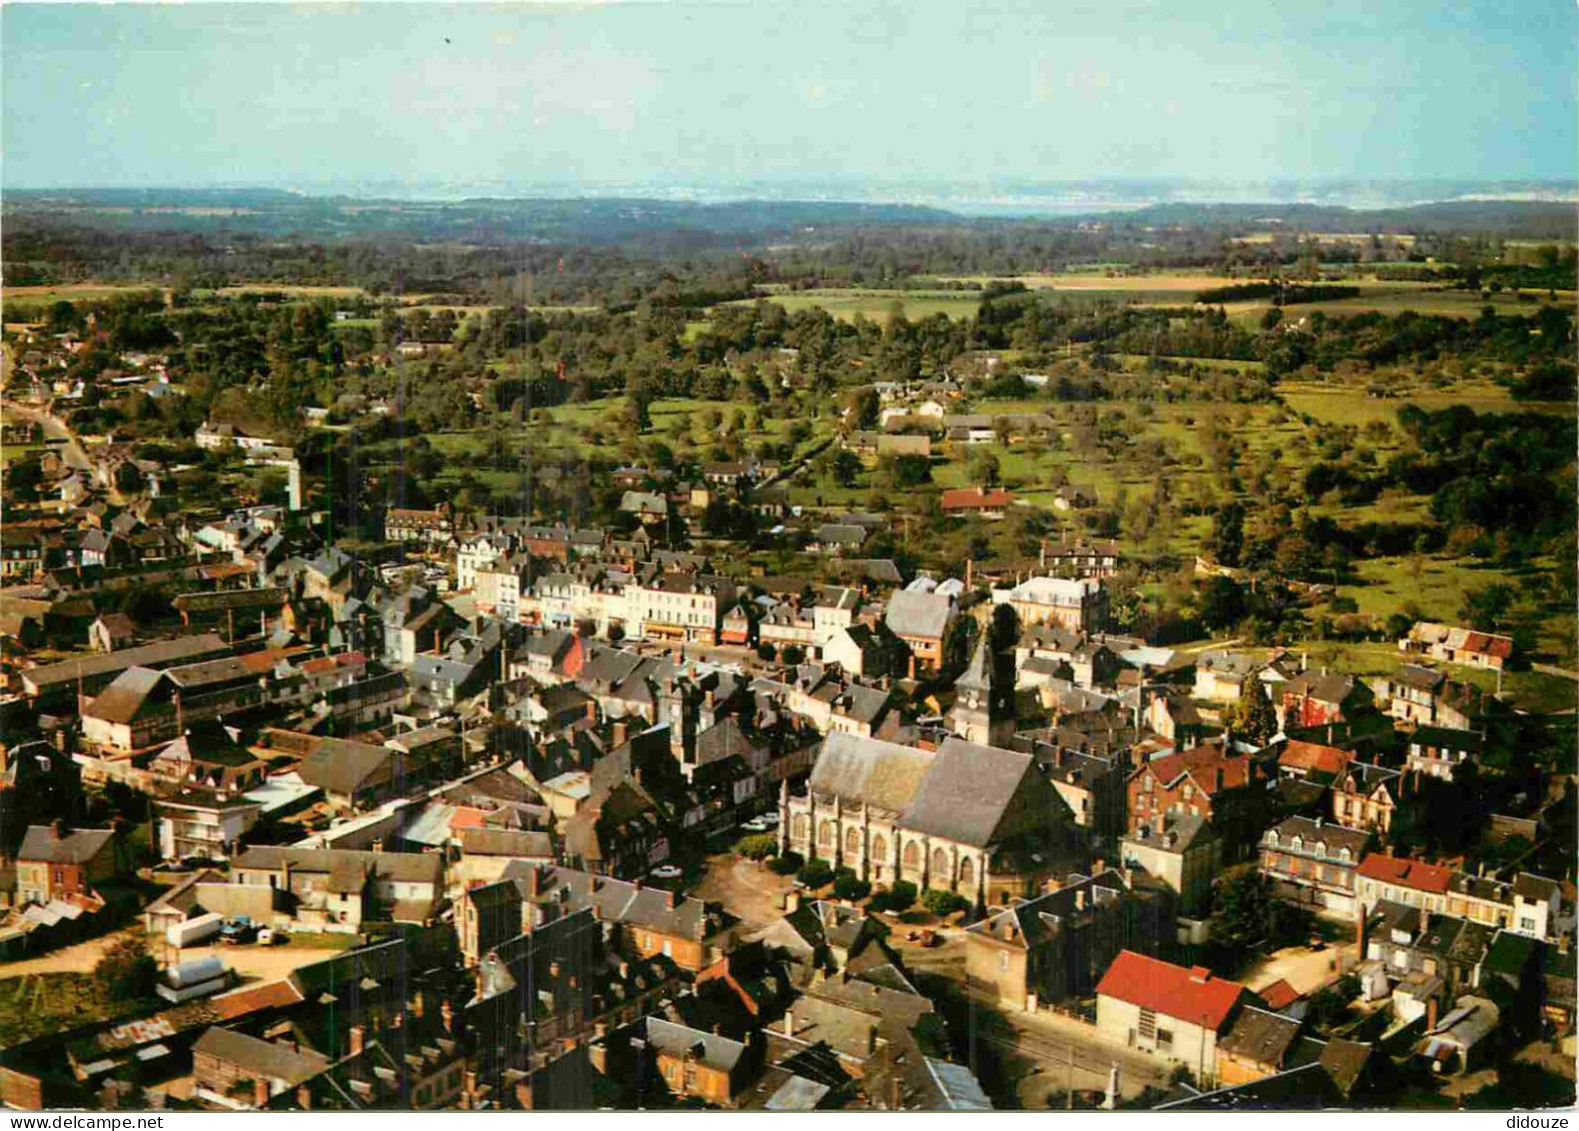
(263, 1059)
(711, 1049)
(917, 614)
(884, 774)
(966, 792)
(78, 846)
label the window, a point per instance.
(1003, 960)
(1148, 1023)
(1164, 1039)
(1526, 923)
(940, 863)
(852, 842)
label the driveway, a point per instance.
(1301, 967)
(71, 451)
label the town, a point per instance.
(469, 810)
(600, 558)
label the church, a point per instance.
(976, 820)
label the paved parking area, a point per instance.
(747, 889)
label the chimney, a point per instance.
(1200, 975)
(260, 1093)
(1362, 930)
(357, 1038)
(1080, 899)
(57, 829)
(668, 899)
(789, 1023)
(1430, 1014)
(447, 1016)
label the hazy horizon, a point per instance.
(991, 103)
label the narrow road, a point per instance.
(71, 451)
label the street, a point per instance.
(71, 451)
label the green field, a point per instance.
(846, 303)
(1341, 403)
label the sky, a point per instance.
(698, 92)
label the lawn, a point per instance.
(1341, 403)
(44, 1003)
(846, 303)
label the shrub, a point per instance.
(127, 971)
(896, 899)
(758, 847)
(786, 864)
(815, 873)
(941, 903)
(847, 885)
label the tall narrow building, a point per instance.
(981, 713)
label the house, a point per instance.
(1416, 694)
(864, 651)
(687, 608)
(1222, 787)
(336, 889)
(976, 820)
(428, 527)
(110, 631)
(1183, 852)
(1074, 605)
(354, 775)
(1319, 699)
(922, 621)
(1259, 1044)
(1365, 796)
(58, 862)
(1052, 947)
(1529, 905)
(1221, 677)
(1176, 1012)
(1080, 559)
(1311, 761)
(976, 500)
(203, 823)
(213, 437)
(1440, 751)
(233, 1070)
(209, 755)
(694, 1064)
(1458, 645)
(1312, 863)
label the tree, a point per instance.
(1486, 609)
(127, 971)
(1254, 717)
(815, 872)
(983, 466)
(1245, 915)
(846, 467)
(864, 407)
(1228, 533)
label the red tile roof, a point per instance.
(270, 995)
(1208, 769)
(1405, 873)
(976, 498)
(1299, 755)
(1190, 994)
(1279, 995)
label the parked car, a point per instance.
(667, 872)
(756, 825)
(237, 930)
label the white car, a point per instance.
(666, 872)
(756, 825)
